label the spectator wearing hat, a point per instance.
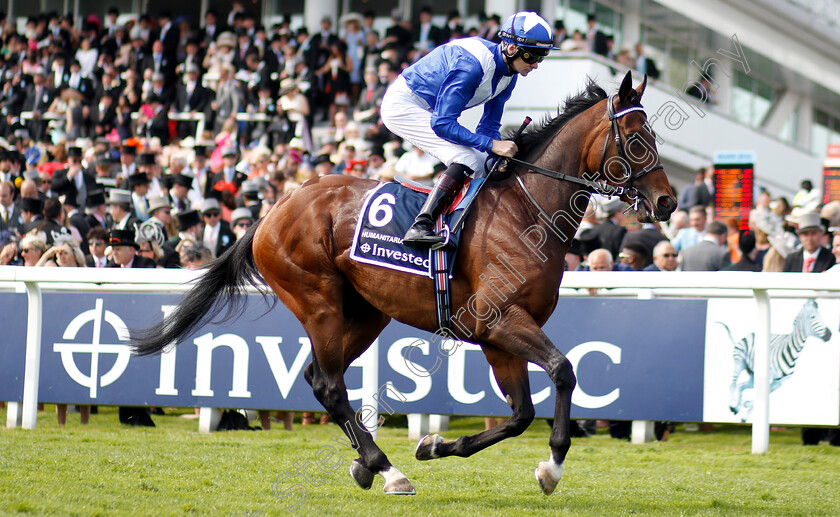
(250, 193)
(749, 253)
(191, 97)
(147, 162)
(240, 220)
(229, 176)
(190, 229)
(97, 242)
(138, 183)
(39, 97)
(11, 219)
(158, 228)
(211, 28)
(97, 210)
(120, 203)
(811, 257)
(179, 192)
(74, 180)
(128, 161)
(217, 236)
(124, 250)
(200, 167)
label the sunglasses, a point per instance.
(211, 214)
(26, 250)
(244, 224)
(669, 255)
(531, 58)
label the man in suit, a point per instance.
(10, 216)
(609, 231)
(160, 63)
(189, 228)
(664, 258)
(38, 99)
(77, 219)
(709, 254)
(191, 97)
(596, 39)
(74, 180)
(169, 35)
(97, 209)
(217, 236)
(648, 236)
(426, 35)
(119, 206)
(103, 115)
(644, 64)
(229, 174)
(812, 257)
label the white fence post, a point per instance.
(32, 366)
(641, 431)
(761, 408)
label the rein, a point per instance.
(603, 188)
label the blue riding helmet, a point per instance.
(529, 30)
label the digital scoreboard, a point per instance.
(734, 180)
(831, 175)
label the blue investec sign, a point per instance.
(640, 359)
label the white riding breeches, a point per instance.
(407, 115)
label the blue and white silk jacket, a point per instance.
(459, 75)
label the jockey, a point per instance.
(423, 105)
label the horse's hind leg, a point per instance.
(360, 324)
(511, 373)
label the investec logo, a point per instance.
(383, 252)
(95, 348)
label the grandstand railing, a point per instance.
(760, 287)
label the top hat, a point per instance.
(138, 178)
(200, 151)
(209, 204)
(239, 214)
(229, 150)
(183, 180)
(96, 198)
(809, 221)
(74, 152)
(250, 187)
(323, 158)
(119, 197)
(188, 219)
(146, 159)
(122, 238)
(129, 150)
(31, 204)
(158, 202)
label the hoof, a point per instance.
(400, 487)
(361, 475)
(427, 447)
(548, 474)
(396, 483)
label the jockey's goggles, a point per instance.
(531, 57)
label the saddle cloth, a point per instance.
(387, 213)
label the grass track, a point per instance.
(107, 469)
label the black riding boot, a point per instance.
(422, 234)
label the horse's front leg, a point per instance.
(518, 334)
(511, 373)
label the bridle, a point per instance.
(598, 187)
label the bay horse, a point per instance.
(301, 249)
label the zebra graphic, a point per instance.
(784, 351)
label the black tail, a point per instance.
(223, 285)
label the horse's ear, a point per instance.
(641, 88)
(625, 88)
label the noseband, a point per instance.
(603, 188)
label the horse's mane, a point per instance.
(538, 135)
